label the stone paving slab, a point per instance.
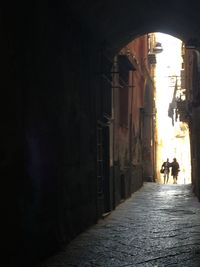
(158, 226)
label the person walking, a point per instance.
(165, 167)
(175, 170)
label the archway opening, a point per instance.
(149, 123)
(172, 131)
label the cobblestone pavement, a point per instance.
(158, 226)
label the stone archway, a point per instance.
(51, 58)
(117, 23)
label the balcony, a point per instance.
(127, 59)
(182, 110)
(152, 59)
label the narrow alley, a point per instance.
(158, 226)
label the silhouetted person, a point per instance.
(165, 167)
(175, 170)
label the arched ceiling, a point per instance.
(117, 22)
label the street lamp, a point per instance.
(158, 48)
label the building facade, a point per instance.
(190, 107)
(133, 106)
(126, 124)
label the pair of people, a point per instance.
(174, 170)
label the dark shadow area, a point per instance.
(56, 64)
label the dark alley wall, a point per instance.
(51, 56)
(48, 143)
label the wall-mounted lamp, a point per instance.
(158, 48)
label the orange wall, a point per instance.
(139, 49)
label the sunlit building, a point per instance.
(173, 130)
(189, 111)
